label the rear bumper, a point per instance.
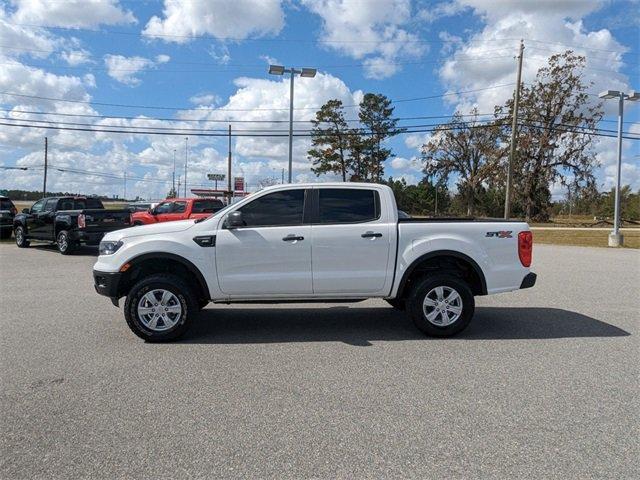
(107, 284)
(90, 238)
(529, 280)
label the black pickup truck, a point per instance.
(67, 221)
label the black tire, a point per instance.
(137, 224)
(65, 245)
(426, 287)
(21, 237)
(175, 285)
(397, 303)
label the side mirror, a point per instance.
(26, 210)
(152, 211)
(234, 219)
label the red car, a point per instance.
(174, 209)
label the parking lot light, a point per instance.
(615, 237)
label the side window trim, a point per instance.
(316, 213)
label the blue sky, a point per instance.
(207, 60)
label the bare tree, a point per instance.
(468, 149)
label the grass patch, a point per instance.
(585, 238)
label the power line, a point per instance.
(275, 135)
(121, 105)
(227, 121)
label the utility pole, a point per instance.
(229, 194)
(44, 185)
(186, 159)
(514, 128)
(173, 182)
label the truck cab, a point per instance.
(174, 209)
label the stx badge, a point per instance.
(500, 234)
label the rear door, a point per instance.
(271, 254)
(351, 242)
(47, 219)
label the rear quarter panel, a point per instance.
(496, 255)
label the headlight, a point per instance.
(109, 248)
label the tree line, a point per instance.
(554, 139)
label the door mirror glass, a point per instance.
(234, 220)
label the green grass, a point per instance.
(584, 238)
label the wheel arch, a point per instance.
(448, 258)
(164, 262)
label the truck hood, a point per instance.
(155, 228)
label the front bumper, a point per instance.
(107, 284)
(529, 280)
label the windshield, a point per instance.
(5, 204)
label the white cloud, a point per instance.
(76, 57)
(548, 27)
(237, 19)
(205, 99)
(374, 33)
(71, 13)
(125, 69)
(440, 10)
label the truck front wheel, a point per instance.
(441, 305)
(159, 308)
(21, 237)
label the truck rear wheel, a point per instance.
(441, 305)
(65, 244)
(159, 308)
(21, 237)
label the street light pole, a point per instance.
(291, 123)
(615, 237)
(304, 72)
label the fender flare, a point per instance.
(202, 283)
(442, 253)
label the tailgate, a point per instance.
(105, 220)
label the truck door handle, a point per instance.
(292, 238)
(371, 235)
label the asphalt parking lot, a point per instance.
(544, 383)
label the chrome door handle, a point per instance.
(371, 235)
(292, 238)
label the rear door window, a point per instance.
(206, 206)
(67, 204)
(344, 205)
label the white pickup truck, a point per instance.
(312, 242)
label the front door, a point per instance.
(176, 212)
(34, 220)
(271, 254)
(351, 242)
